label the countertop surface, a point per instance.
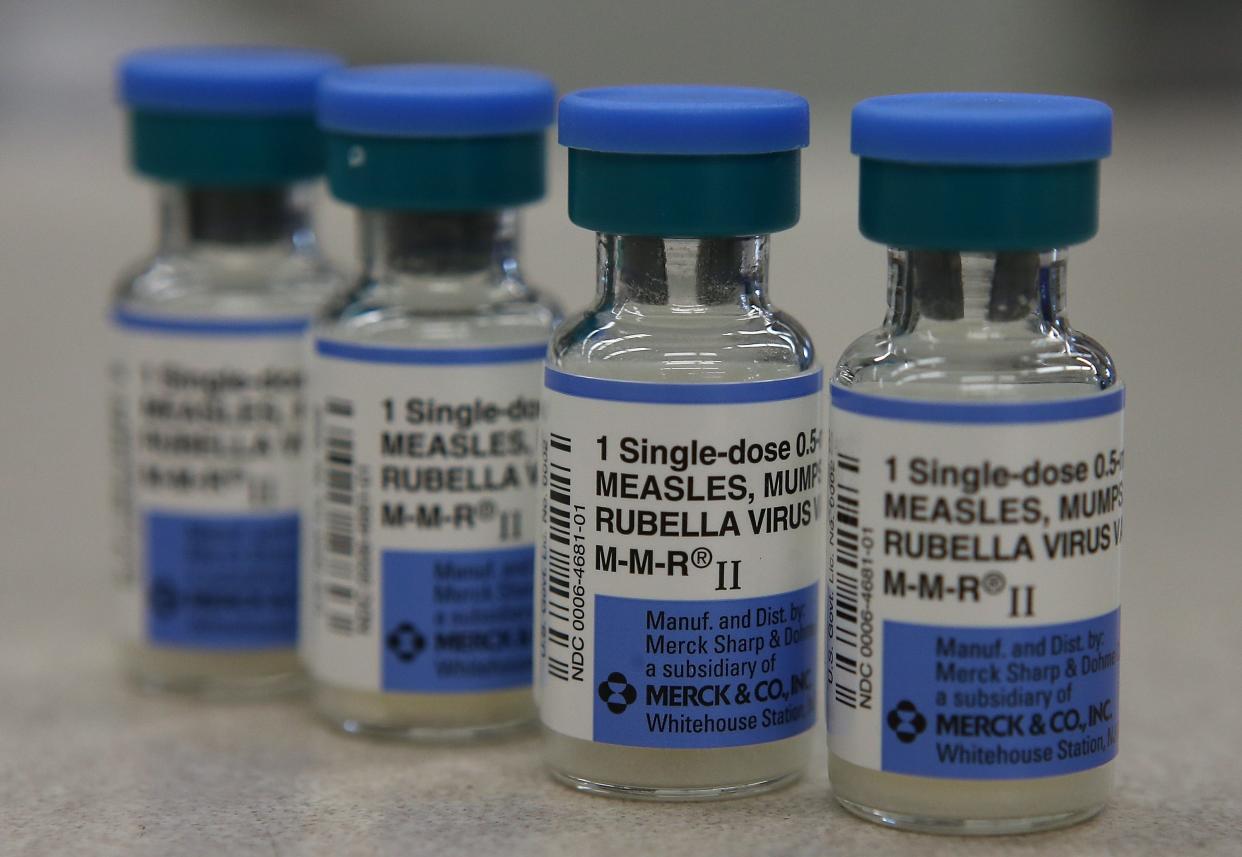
(88, 767)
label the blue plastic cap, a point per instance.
(684, 120)
(435, 101)
(249, 81)
(982, 129)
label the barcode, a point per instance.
(339, 513)
(560, 569)
(845, 583)
(122, 482)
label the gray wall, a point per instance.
(55, 54)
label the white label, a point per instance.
(421, 556)
(206, 427)
(974, 585)
(682, 553)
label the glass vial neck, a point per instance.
(651, 275)
(461, 252)
(271, 218)
(991, 292)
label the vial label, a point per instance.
(206, 434)
(681, 560)
(974, 583)
(426, 479)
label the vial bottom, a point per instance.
(639, 773)
(969, 807)
(425, 717)
(237, 674)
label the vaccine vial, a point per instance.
(682, 451)
(206, 366)
(975, 488)
(425, 380)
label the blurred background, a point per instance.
(1159, 285)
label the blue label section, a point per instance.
(707, 393)
(430, 356)
(222, 582)
(1000, 703)
(698, 674)
(457, 621)
(129, 320)
(886, 407)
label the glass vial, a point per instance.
(206, 368)
(683, 531)
(425, 382)
(975, 486)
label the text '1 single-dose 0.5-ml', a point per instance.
(975, 488)
(683, 544)
(424, 383)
